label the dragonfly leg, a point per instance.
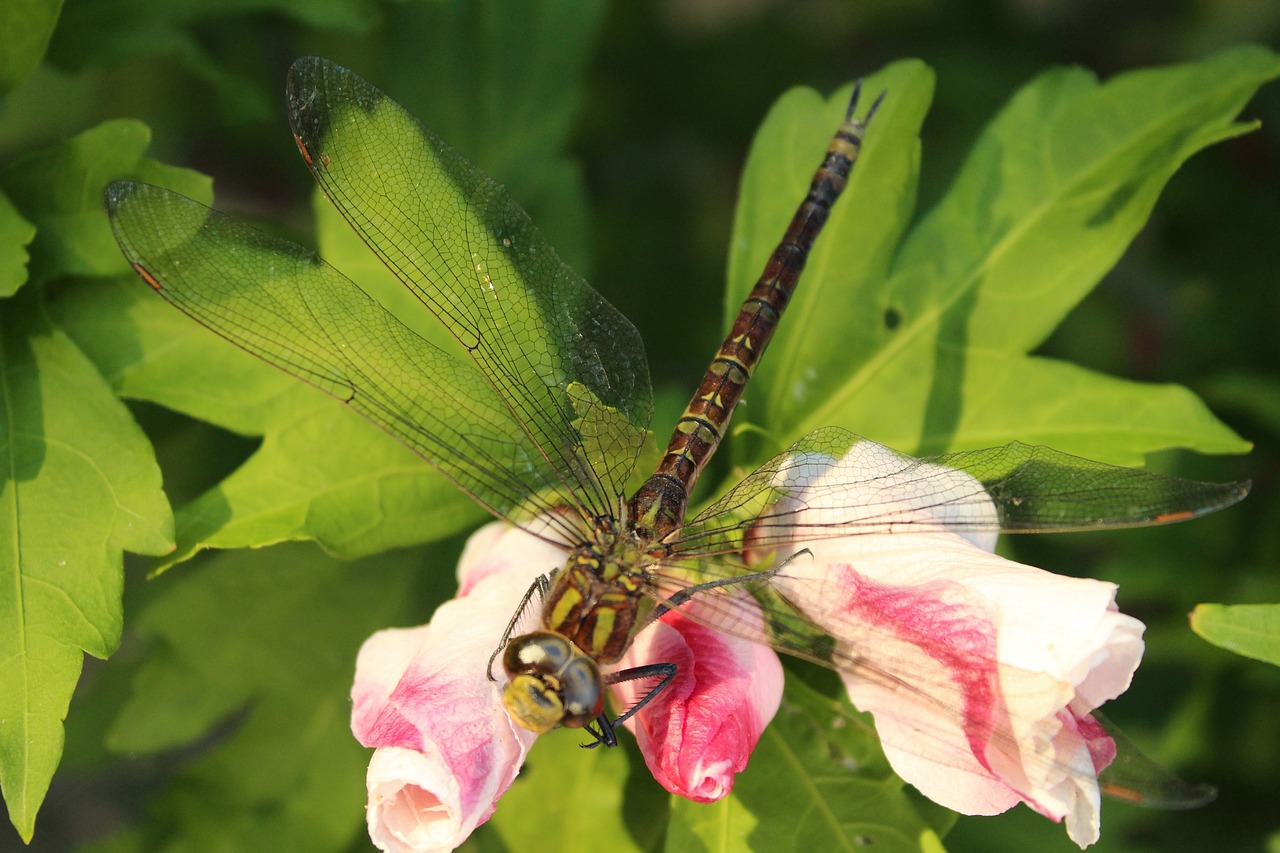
(689, 592)
(604, 732)
(540, 587)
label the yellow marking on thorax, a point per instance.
(568, 592)
(607, 620)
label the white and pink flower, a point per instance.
(981, 673)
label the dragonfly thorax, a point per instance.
(550, 683)
(597, 600)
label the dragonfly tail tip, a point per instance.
(853, 100)
(853, 103)
(875, 105)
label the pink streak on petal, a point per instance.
(382, 661)
(937, 706)
(934, 618)
(973, 732)
(1102, 747)
(444, 710)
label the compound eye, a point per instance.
(582, 691)
(542, 651)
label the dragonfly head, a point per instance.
(550, 682)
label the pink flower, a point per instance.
(699, 732)
(980, 672)
(446, 749)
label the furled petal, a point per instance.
(980, 672)
(446, 748)
(698, 733)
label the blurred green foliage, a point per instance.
(221, 722)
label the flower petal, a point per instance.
(514, 552)
(447, 749)
(699, 732)
(414, 803)
(980, 671)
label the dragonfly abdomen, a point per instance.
(659, 505)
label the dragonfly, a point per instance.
(542, 408)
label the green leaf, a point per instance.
(60, 189)
(15, 234)
(110, 32)
(934, 334)
(322, 472)
(375, 497)
(27, 26)
(481, 53)
(79, 485)
(1255, 394)
(575, 796)
(285, 772)
(723, 825)
(1251, 630)
(459, 241)
(816, 781)
(503, 83)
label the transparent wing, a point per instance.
(1135, 778)
(284, 304)
(834, 483)
(959, 698)
(568, 366)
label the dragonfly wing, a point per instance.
(569, 367)
(931, 658)
(1134, 777)
(833, 483)
(963, 707)
(1037, 489)
(282, 303)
